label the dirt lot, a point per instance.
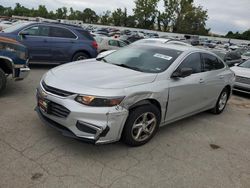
(201, 151)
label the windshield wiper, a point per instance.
(126, 66)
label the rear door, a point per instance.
(186, 94)
(37, 42)
(214, 77)
(62, 41)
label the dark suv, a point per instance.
(53, 42)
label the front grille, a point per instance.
(243, 80)
(56, 91)
(58, 110)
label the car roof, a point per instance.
(174, 47)
(59, 24)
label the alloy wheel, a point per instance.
(223, 101)
(144, 126)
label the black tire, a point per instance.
(3, 80)
(134, 115)
(218, 109)
(80, 56)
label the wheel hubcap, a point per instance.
(223, 101)
(144, 126)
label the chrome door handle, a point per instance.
(201, 81)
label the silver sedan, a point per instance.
(130, 93)
(242, 82)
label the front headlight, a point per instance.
(99, 101)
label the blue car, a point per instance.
(53, 42)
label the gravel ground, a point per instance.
(201, 151)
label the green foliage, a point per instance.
(145, 13)
(244, 36)
(180, 16)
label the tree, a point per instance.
(61, 13)
(169, 16)
(190, 19)
(89, 16)
(105, 18)
(119, 17)
(145, 12)
(42, 11)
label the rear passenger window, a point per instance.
(211, 62)
(85, 34)
(193, 61)
(113, 43)
(61, 33)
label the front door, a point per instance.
(186, 94)
(38, 43)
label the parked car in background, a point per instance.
(53, 42)
(245, 55)
(129, 93)
(13, 61)
(230, 57)
(5, 24)
(106, 43)
(242, 82)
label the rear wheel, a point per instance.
(221, 102)
(3, 80)
(141, 125)
(80, 56)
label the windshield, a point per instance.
(147, 59)
(246, 64)
(15, 27)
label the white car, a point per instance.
(242, 82)
(5, 24)
(106, 43)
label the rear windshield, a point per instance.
(85, 34)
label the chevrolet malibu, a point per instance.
(130, 93)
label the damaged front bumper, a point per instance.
(96, 125)
(20, 72)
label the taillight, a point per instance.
(94, 44)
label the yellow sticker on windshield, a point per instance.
(162, 56)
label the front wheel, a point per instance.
(221, 102)
(3, 80)
(141, 125)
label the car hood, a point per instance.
(95, 74)
(241, 71)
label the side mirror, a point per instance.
(182, 73)
(23, 33)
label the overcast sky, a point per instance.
(224, 15)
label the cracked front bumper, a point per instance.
(92, 124)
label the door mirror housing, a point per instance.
(182, 73)
(23, 33)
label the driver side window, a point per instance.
(193, 61)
